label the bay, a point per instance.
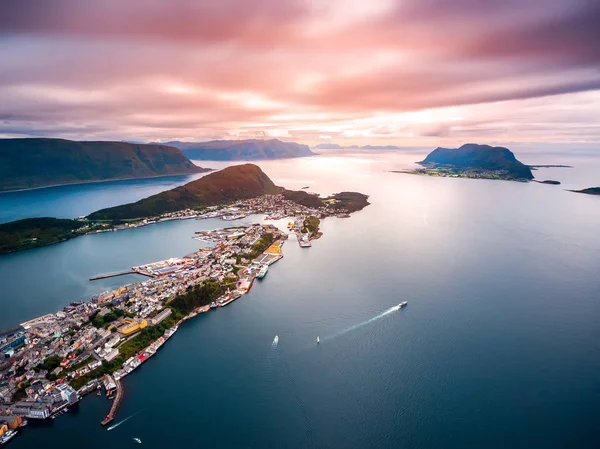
(498, 346)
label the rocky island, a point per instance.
(474, 161)
(41, 162)
(215, 192)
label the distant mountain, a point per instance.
(328, 146)
(242, 150)
(589, 191)
(484, 157)
(335, 146)
(30, 163)
(230, 184)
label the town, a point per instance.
(49, 363)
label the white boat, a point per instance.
(276, 339)
(403, 304)
(137, 440)
(318, 341)
(7, 436)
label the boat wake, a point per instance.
(369, 321)
(114, 426)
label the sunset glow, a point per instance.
(380, 72)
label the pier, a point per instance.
(111, 275)
(115, 405)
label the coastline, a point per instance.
(203, 170)
(180, 289)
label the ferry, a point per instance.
(7, 436)
(262, 272)
(403, 304)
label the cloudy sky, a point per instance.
(405, 72)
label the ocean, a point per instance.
(498, 347)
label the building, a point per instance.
(130, 326)
(68, 393)
(161, 316)
(33, 410)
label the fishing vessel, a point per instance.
(403, 304)
(137, 440)
(262, 272)
(7, 436)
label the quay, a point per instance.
(115, 405)
(111, 275)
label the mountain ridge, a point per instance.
(248, 150)
(28, 163)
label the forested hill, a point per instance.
(39, 162)
(474, 156)
(227, 185)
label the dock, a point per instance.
(115, 405)
(111, 275)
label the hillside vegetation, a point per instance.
(34, 232)
(31, 163)
(484, 157)
(228, 185)
(245, 150)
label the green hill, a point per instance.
(230, 184)
(34, 232)
(245, 150)
(483, 157)
(31, 163)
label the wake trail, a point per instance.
(121, 422)
(366, 322)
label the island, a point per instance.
(50, 362)
(244, 150)
(474, 161)
(549, 181)
(209, 196)
(42, 162)
(588, 191)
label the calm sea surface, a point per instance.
(499, 346)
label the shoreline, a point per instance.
(96, 181)
(114, 332)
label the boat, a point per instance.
(137, 440)
(276, 339)
(7, 436)
(403, 304)
(318, 341)
(263, 271)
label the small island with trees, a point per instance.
(473, 161)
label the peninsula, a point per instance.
(588, 191)
(242, 150)
(210, 194)
(41, 162)
(474, 161)
(52, 361)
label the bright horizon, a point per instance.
(386, 72)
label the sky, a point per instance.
(402, 72)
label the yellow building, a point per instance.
(130, 326)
